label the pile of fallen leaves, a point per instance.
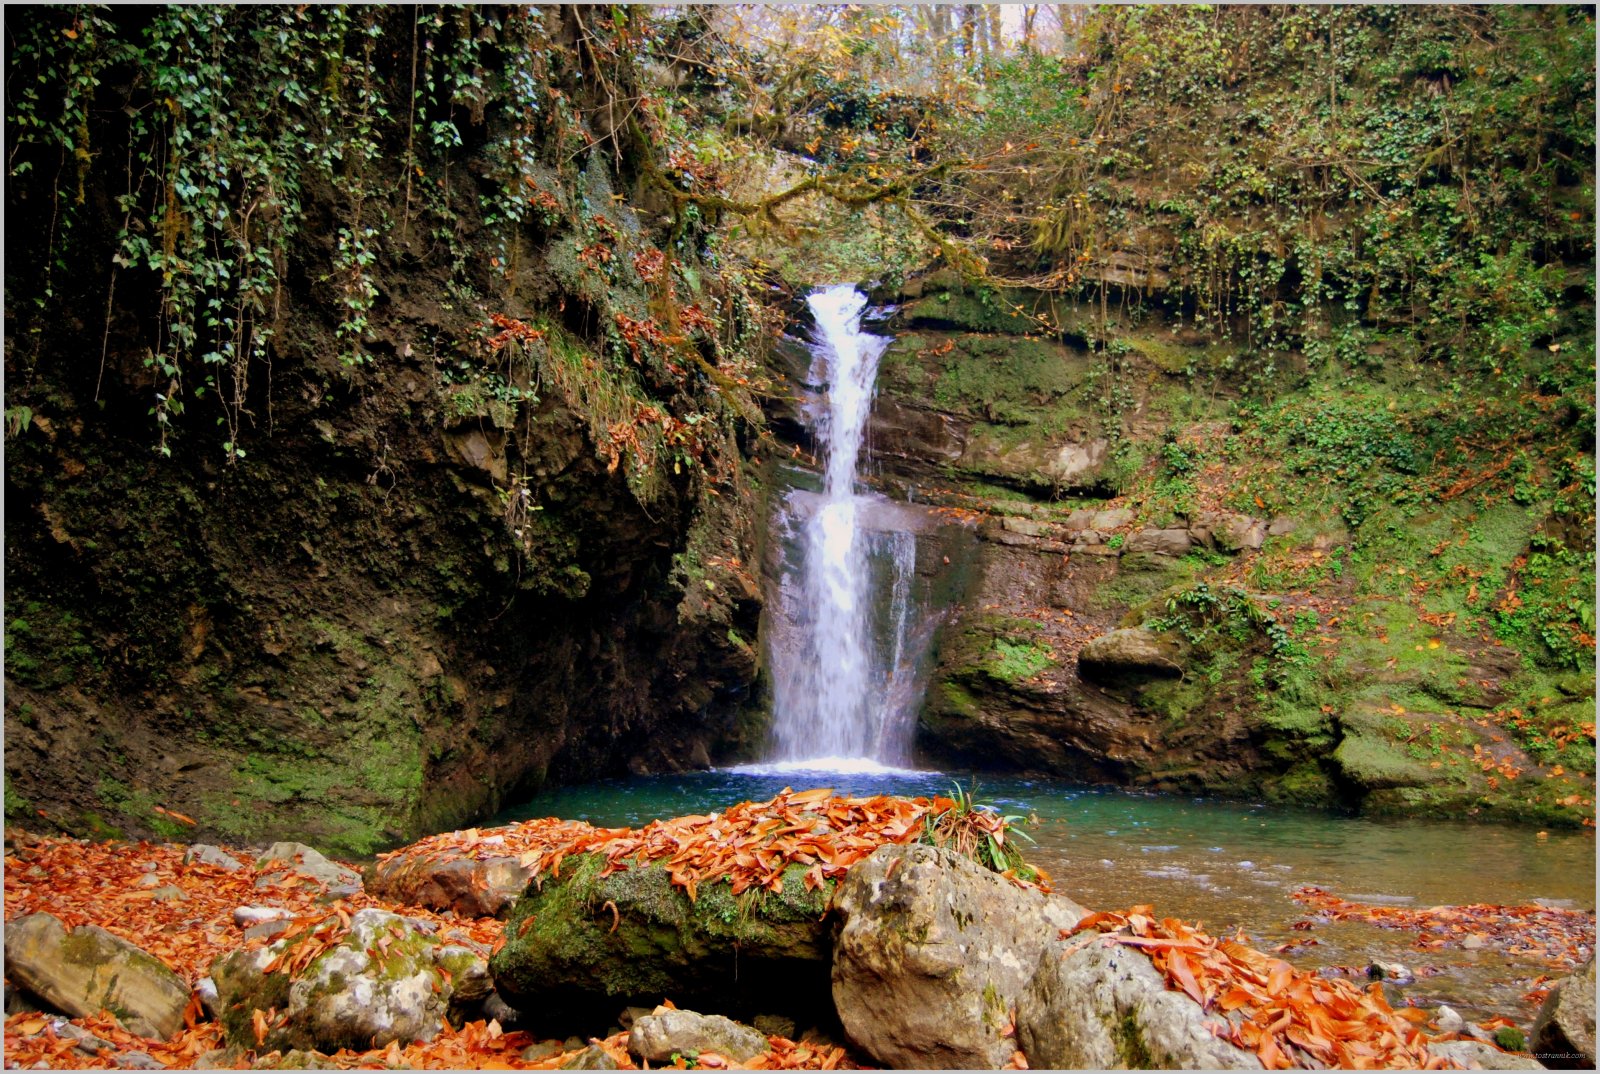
(750, 844)
(1564, 938)
(1287, 1017)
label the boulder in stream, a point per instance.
(933, 955)
(1101, 1005)
(1563, 1030)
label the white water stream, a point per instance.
(847, 640)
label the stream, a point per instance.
(1226, 865)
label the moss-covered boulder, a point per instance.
(386, 979)
(583, 941)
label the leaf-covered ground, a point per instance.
(1287, 1016)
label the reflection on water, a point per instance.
(1228, 865)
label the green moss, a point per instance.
(1129, 1040)
(658, 941)
(1174, 700)
(1013, 662)
(1371, 762)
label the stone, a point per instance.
(1028, 527)
(1079, 520)
(1563, 1030)
(139, 1061)
(1101, 1005)
(659, 1036)
(346, 997)
(593, 1057)
(268, 930)
(717, 950)
(485, 888)
(206, 854)
(495, 1009)
(1086, 548)
(295, 1059)
(933, 952)
(1236, 533)
(206, 989)
(169, 893)
(1111, 520)
(87, 970)
(245, 916)
(307, 862)
(479, 449)
(774, 1025)
(1077, 464)
(1160, 542)
(1476, 1055)
(1130, 654)
(1448, 1019)
(543, 1049)
(1280, 526)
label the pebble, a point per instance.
(1450, 1020)
(245, 916)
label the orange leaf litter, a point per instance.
(1564, 938)
(1287, 1017)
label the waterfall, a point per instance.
(847, 638)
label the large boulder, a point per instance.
(86, 970)
(933, 953)
(1563, 1030)
(1104, 1006)
(386, 979)
(580, 942)
(1130, 655)
(657, 1037)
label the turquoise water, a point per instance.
(1228, 865)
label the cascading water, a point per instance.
(847, 639)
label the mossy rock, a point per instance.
(1372, 764)
(582, 941)
(954, 308)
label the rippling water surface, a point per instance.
(1228, 865)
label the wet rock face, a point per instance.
(1098, 1006)
(933, 953)
(86, 970)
